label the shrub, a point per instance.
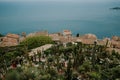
(36, 41)
(13, 75)
(94, 75)
(45, 77)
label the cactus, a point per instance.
(69, 71)
(93, 54)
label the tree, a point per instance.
(77, 35)
(1, 35)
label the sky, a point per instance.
(62, 0)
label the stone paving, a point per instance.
(41, 48)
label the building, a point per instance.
(67, 33)
(115, 42)
(87, 39)
(9, 40)
(115, 38)
(89, 36)
(55, 36)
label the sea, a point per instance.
(79, 16)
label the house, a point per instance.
(87, 39)
(9, 40)
(55, 36)
(89, 36)
(67, 33)
(115, 38)
(115, 42)
(65, 37)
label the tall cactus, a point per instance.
(39, 54)
(69, 71)
(106, 44)
(75, 57)
(93, 54)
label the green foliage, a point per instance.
(45, 77)
(47, 52)
(111, 74)
(50, 59)
(116, 72)
(106, 65)
(85, 67)
(36, 41)
(81, 69)
(13, 75)
(94, 75)
(52, 72)
(75, 74)
(69, 44)
(9, 56)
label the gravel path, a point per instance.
(41, 48)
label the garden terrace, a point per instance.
(83, 61)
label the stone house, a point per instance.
(9, 40)
(87, 39)
(67, 33)
(115, 42)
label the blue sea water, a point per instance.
(80, 17)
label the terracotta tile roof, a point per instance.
(12, 36)
(55, 37)
(115, 38)
(10, 40)
(101, 42)
(115, 44)
(67, 32)
(116, 50)
(87, 41)
(89, 36)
